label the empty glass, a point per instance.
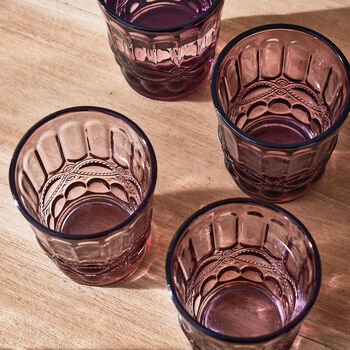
(84, 178)
(281, 92)
(164, 48)
(243, 274)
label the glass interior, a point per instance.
(282, 85)
(244, 270)
(83, 172)
(159, 14)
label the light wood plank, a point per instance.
(55, 54)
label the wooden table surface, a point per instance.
(55, 54)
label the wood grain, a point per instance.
(55, 54)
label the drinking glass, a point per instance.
(281, 92)
(84, 179)
(243, 274)
(164, 48)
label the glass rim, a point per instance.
(246, 340)
(33, 128)
(254, 140)
(175, 28)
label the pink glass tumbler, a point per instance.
(281, 92)
(84, 179)
(164, 48)
(243, 274)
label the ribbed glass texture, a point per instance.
(243, 275)
(84, 178)
(164, 48)
(282, 93)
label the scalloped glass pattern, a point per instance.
(243, 270)
(82, 172)
(156, 62)
(280, 86)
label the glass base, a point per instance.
(280, 195)
(100, 274)
(92, 214)
(280, 129)
(254, 315)
(161, 91)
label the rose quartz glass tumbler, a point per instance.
(164, 48)
(243, 274)
(84, 179)
(281, 92)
